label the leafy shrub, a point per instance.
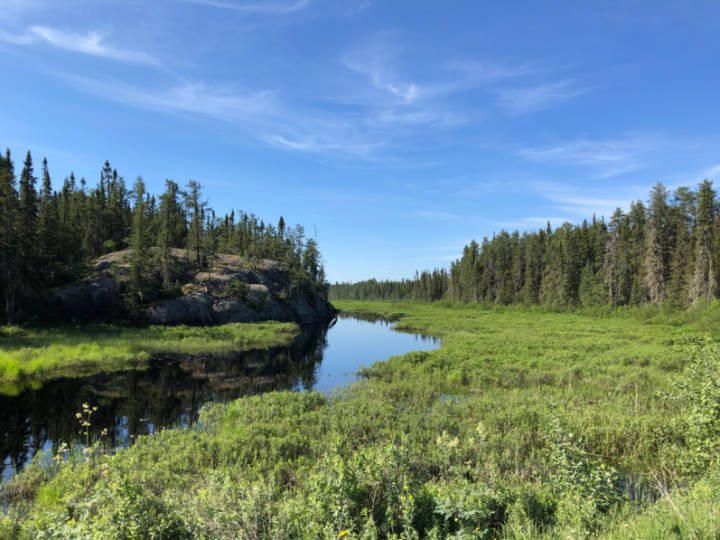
(584, 488)
(464, 506)
(698, 390)
(138, 514)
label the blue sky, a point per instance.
(394, 131)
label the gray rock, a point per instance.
(195, 309)
(228, 310)
(86, 301)
(231, 289)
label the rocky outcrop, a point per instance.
(230, 289)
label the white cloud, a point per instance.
(265, 7)
(319, 145)
(711, 173)
(90, 43)
(606, 157)
(185, 98)
(381, 75)
(581, 202)
(258, 114)
(535, 98)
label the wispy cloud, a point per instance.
(374, 66)
(267, 7)
(184, 98)
(534, 98)
(606, 157)
(582, 202)
(315, 145)
(419, 90)
(90, 43)
(258, 114)
(711, 173)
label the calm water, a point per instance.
(170, 391)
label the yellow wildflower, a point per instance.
(343, 533)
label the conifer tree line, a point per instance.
(48, 237)
(665, 251)
(427, 285)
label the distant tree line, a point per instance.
(48, 237)
(427, 285)
(665, 251)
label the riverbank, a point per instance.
(524, 423)
(29, 356)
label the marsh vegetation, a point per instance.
(525, 423)
(30, 356)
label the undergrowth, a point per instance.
(524, 424)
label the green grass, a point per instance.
(525, 423)
(30, 356)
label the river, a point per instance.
(170, 391)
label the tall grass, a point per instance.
(29, 355)
(525, 423)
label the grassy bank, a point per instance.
(524, 424)
(29, 356)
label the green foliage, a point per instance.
(237, 287)
(668, 252)
(698, 390)
(48, 238)
(584, 488)
(28, 356)
(526, 423)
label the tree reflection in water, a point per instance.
(168, 393)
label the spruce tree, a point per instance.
(655, 259)
(27, 230)
(48, 224)
(171, 227)
(196, 211)
(9, 210)
(311, 260)
(703, 285)
(681, 222)
(139, 241)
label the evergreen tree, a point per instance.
(139, 241)
(48, 224)
(171, 227)
(311, 260)
(703, 286)
(9, 209)
(681, 222)
(196, 211)
(655, 260)
(27, 229)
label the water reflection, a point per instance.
(171, 390)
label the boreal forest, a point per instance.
(664, 251)
(48, 237)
